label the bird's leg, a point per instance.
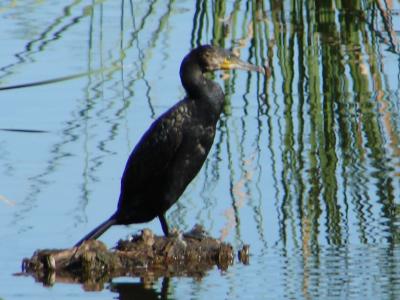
(164, 224)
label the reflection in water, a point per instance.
(306, 163)
(140, 290)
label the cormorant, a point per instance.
(174, 148)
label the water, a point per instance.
(305, 166)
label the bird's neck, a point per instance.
(204, 91)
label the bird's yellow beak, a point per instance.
(226, 64)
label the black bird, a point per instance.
(174, 148)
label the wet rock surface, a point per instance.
(145, 254)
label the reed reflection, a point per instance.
(327, 115)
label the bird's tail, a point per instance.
(98, 231)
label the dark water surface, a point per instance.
(305, 166)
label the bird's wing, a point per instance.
(155, 151)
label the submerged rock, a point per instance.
(190, 254)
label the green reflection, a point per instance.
(325, 56)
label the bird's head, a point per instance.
(213, 58)
(207, 59)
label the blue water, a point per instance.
(308, 178)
